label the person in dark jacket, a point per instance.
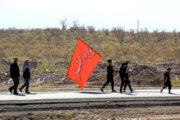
(122, 75)
(26, 75)
(127, 82)
(167, 80)
(109, 76)
(14, 74)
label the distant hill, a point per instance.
(57, 45)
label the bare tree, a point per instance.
(120, 34)
(75, 25)
(64, 24)
(91, 29)
(175, 37)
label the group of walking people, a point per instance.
(15, 75)
(124, 74)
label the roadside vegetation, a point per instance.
(49, 46)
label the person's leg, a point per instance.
(11, 88)
(165, 85)
(107, 82)
(16, 83)
(125, 85)
(129, 84)
(112, 84)
(23, 85)
(169, 87)
(27, 85)
(122, 84)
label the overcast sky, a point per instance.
(152, 14)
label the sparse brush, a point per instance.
(176, 82)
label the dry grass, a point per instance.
(176, 82)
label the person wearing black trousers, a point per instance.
(26, 76)
(167, 81)
(122, 75)
(127, 82)
(14, 74)
(109, 76)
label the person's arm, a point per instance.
(126, 71)
(26, 73)
(18, 71)
(11, 70)
(165, 78)
(114, 69)
(29, 73)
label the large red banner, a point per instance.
(82, 63)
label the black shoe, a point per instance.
(20, 89)
(161, 90)
(124, 91)
(113, 91)
(10, 90)
(16, 93)
(102, 90)
(28, 92)
(120, 91)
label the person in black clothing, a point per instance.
(122, 75)
(14, 74)
(127, 82)
(109, 76)
(26, 76)
(167, 81)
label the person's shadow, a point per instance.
(130, 93)
(20, 94)
(94, 93)
(172, 93)
(32, 94)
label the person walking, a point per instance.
(109, 76)
(167, 81)
(127, 81)
(26, 75)
(14, 74)
(122, 75)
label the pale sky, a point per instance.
(152, 14)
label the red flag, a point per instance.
(82, 63)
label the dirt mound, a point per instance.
(146, 75)
(143, 75)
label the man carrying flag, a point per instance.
(109, 76)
